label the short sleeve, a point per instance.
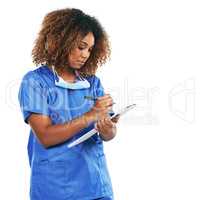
(32, 96)
(99, 89)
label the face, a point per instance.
(81, 53)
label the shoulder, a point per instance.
(93, 79)
(30, 78)
(36, 76)
(96, 85)
(32, 74)
(32, 81)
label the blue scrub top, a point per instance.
(60, 173)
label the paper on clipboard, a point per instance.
(94, 131)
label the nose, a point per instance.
(85, 54)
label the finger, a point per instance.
(115, 119)
(108, 123)
(100, 126)
(104, 97)
(103, 109)
(110, 109)
(105, 102)
(103, 123)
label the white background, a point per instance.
(155, 63)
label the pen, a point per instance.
(90, 98)
(93, 98)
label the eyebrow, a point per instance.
(87, 44)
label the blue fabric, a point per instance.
(105, 198)
(59, 173)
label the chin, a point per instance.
(76, 67)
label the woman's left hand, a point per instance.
(106, 128)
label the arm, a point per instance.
(50, 135)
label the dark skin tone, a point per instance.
(50, 135)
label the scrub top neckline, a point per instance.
(50, 72)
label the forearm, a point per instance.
(56, 134)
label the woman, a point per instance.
(63, 99)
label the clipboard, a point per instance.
(94, 131)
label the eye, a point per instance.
(81, 48)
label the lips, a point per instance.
(81, 62)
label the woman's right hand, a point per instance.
(102, 107)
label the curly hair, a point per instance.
(61, 31)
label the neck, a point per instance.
(67, 74)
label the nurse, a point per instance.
(53, 98)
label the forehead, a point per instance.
(88, 39)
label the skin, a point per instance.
(82, 52)
(49, 134)
(78, 57)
